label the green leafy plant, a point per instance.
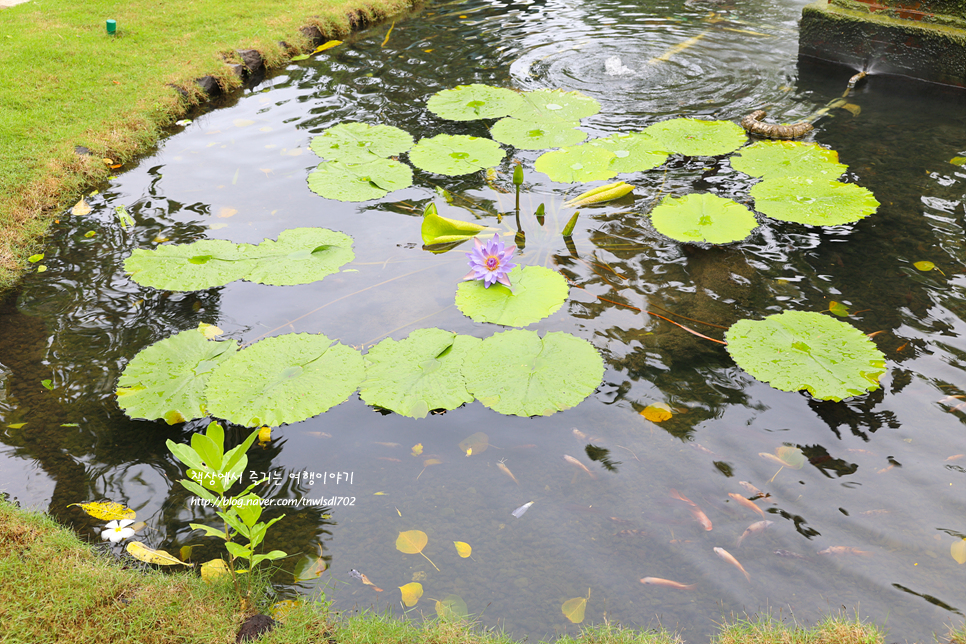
(456, 155)
(703, 218)
(813, 201)
(536, 135)
(772, 159)
(359, 143)
(359, 181)
(537, 293)
(694, 137)
(472, 102)
(212, 473)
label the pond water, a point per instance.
(886, 471)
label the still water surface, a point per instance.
(886, 472)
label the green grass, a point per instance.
(64, 83)
(767, 629)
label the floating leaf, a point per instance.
(456, 155)
(284, 379)
(212, 570)
(693, 137)
(412, 542)
(327, 45)
(106, 510)
(463, 549)
(33, 259)
(554, 105)
(411, 593)
(958, 551)
(300, 256)
(472, 102)
(577, 164)
(141, 552)
(167, 379)
(359, 181)
(475, 444)
(537, 376)
(703, 218)
(440, 230)
(536, 135)
(924, 266)
(520, 511)
(264, 434)
(961, 161)
(657, 413)
(293, 59)
(633, 152)
(418, 374)
(798, 350)
(48, 384)
(537, 293)
(185, 553)
(773, 159)
(838, 309)
(210, 331)
(81, 208)
(16, 425)
(451, 607)
(573, 609)
(310, 567)
(814, 202)
(359, 143)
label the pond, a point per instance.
(883, 482)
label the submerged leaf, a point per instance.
(359, 181)
(771, 159)
(411, 593)
(475, 444)
(451, 607)
(472, 102)
(693, 137)
(537, 293)
(814, 202)
(159, 557)
(106, 510)
(456, 155)
(463, 549)
(838, 309)
(958, 551)
(791, 456)
(359, 143)
(573, 609)
(798, 350)
(703, 218)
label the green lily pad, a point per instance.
(451, 608)
(284, 379)
(693, 137)
(815, 202)
(167, 379)
(577, 164)
(360, 143)
(472, 102)
(189, 267)
(537, 293)
(456, 155)
(536, 135)
(421, 373)
(441, 230)
(518, 373)
(554, 105)
(798, 350)
(772, 159)
(634, 152)
(300, 256)
(703, 218)
(359, 181)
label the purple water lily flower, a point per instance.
(490, 262)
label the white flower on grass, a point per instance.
(118, 530)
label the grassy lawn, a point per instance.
(64, 82)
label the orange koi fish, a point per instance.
(745, 502)
(724, 554)
(758, 526)
(506, 470)
(844, 550)
(696, 512)
(574, 461)
(657, 581)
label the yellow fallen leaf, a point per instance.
(106, 510)
(417, 449)
(107, 162)
(411, 542)
(328, 45)
(140, 551)
(227, 212)
(411, 593)
(212, 570)
(218, 226)
(573, 609)
(16, 425)
(280, 610)
(265, 434)
(475, 444)
(242, 122)
(656, 413)
(431, 461)
(463, 549)
(185, 552)
(958, 551)
(81, 208)
(210, 331)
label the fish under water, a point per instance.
(573, 461)
(506, 470)
(657, 581)
(746, 503)
(727, 556)
(789, 554)
(845, 550)
(696, 512)
(756, 527)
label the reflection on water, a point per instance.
(882, 490)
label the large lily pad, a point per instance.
(360, 143)
(537, 293)
(189, 267)
(300, 256)
(421, 373)
(693, 137)
(518, 373)
(577, 164)
(798, 350)
(703, 218)
(456, 155)
(359, 181)
(634, 152)
(772, 159)
(536, 135)
(815, 202)
(555, 105)
(284, 379)
(472, 102)
(167, 379)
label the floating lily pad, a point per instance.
(536, 135)
(577, 164)
(456, 155)
(634, 152)
(554, 105)
(772, 159)
(284, 379)
(798, 350)
(359, 181)
(300, 256)
(693, 137)
(416, 375)
(703, 218)
(167, 379)
(815, 202)
(360, 143)
(537, 293)
(189, 267)
(518, 373)
(472, 102)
